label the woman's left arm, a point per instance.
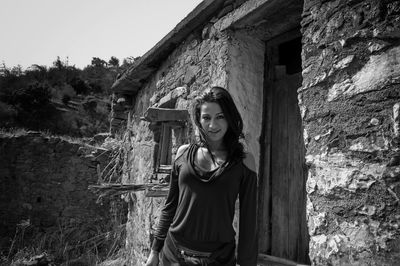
(248, 241)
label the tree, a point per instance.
(97, 62)
(37, 73)
(59, 64)
(114, 62)
(80, 86)
(32, 98)
(11, 78)
(129, 61)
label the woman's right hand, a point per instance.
(153, 259)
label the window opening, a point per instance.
(167, 125)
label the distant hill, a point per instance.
(60, 99)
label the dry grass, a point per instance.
(88, 243)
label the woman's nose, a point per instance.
(212, 124)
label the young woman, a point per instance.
(195, 227)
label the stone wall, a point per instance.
(44, 186)
(207, 57)
(349, 101)
(190, 69)
(350, 108)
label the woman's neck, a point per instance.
(216, 146)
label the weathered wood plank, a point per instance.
(157, 192)
(265, 163)
(283, 181)
(279, 189)
(166, 169)
(295, 153)
(164, 154)
(154, 114)
(111, 190)
(267, 260)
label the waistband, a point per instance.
(203, 246)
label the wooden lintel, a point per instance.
(154, 114)
(176, 124)
(172, 124)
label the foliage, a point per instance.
(114, 62)
(96, 77)
(33, 98)
(80, 86)
(129, 61)
(36, 98)
(31, 104)
(66, 98)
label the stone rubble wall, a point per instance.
(349, 102)
(44, 183)
(206, 58)
(195, 65)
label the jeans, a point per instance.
(174, 255)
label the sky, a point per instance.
(37, 31)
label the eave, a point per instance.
(251, 12)
(133, 78)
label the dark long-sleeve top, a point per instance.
(199, 212)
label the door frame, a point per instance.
(265, 200)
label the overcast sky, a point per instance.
(37, 31)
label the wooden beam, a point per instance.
(164, 168)
(110, 189)
(157, 192)
(264, 260)
(164, 114)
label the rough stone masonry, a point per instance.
(349, 103)
(44, 187)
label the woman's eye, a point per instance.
(206, 118)
(221, 117)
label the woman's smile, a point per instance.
(213, 122)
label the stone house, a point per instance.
(317, 83)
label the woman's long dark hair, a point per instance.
(235, 123)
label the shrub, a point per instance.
(80, 86)
(32, 105)
(66, 98)
(32, 98)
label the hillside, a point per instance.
(60, 99)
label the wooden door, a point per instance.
(288, 225)
(283, 228)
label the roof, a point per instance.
(132, 79)
(250, 13)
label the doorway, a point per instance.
(282, 220)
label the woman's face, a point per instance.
(213, 122)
